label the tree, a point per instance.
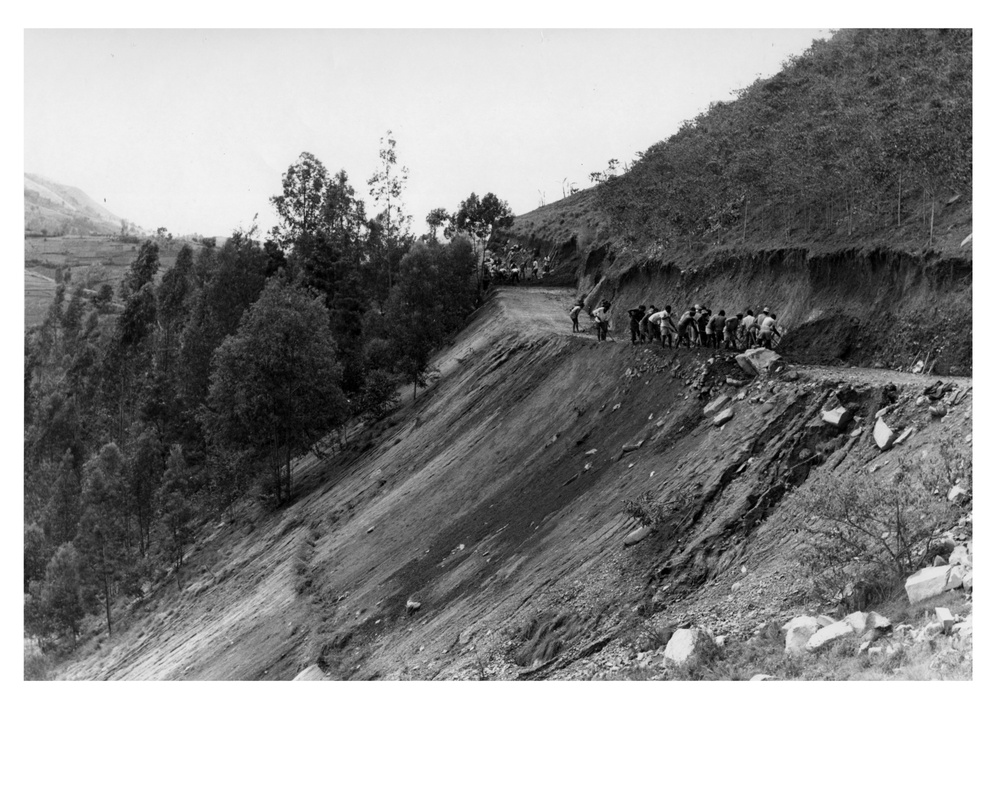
(144, 467)
(275, 383)
(480, 219)
(176, 509)
(104, 524)
(386, 187)
(300, 205)
(142, 270)
(62, 591)
(435, 219)
(63, 510)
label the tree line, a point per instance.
(218, 372)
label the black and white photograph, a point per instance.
(498, 354)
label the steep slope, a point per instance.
(495, 502)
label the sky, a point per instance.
(193, 129)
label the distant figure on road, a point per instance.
(732, 325)
(664, 321)
(717, 325)
(534, 270)
(750, 328)
(574, 315)
(602, 317)
(635, 317)
(767, 331)
(645, 329)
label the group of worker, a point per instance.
(515, 265)
(696, 327)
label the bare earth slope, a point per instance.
(495, 503)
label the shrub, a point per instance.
(868, 536)
(646, 510)
(379, 397)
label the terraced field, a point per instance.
(38, 293)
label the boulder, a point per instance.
(759, 361)
(722, 417)
(938, 411)
(838, 417)
(876, 622)
(825, 620)
(313, 673)
(956, 493)
(932, 581)
(960, 555)
(945, 617)
(828, 634)
(716, 405)
(638, 535)
(858, 621)
(883, 435)
(967, 581)
(688, 643)
(797, 633)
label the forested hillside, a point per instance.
(157, 402)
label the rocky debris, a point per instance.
(825, 620)
(956, 493)
(883, 435)
(638, 535)
(311, 673)
(961, 555)
(628, 448)
(858, 621)
(798, 632)
(716, 405)
(906, 435)
(734, 382)
(759, 361)
(412, 606)
(938, 411)
(932, 581)
(877, 622)
(828, 634)
(838, 417)
(945, 617)
(687, 643)
(964, 628)
(791, 375)
(722, 417)
(967, 581)
(762, 677)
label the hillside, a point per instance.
(527, 576)
(838, 191)
(53, 209)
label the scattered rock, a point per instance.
(828, 634)
(967, 581)
(932, 581)
(906, 435)
(590, 452)
(945, 617)
(412, 606)
(734, 382)
(883, 435)
(312, 673)
(961, 555)
(628, 448)
(798, 632)
(876, 622)
(858, 621)
(762, 677)
(856, 433)
(825, 620)
(687, 643)
(713, 408)
(956, 493)
(838, 417)
(723, 417)
(759, 361)
(938, 411)
(638, 535)
(791, 375)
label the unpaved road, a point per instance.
(544, 311)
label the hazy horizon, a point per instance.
(193, 129)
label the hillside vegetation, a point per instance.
(865, 136)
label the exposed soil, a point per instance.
(495, 502)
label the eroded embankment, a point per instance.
(479, 532)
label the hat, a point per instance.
(767, 310)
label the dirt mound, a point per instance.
(828, 340)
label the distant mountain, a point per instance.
(56, 210)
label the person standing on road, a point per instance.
(635, 317)
(717, 325)
(602, 317)
(574, 315)
(685, 326)
(665, 323)
(732, 324)
(749, 328)
(767, 331)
